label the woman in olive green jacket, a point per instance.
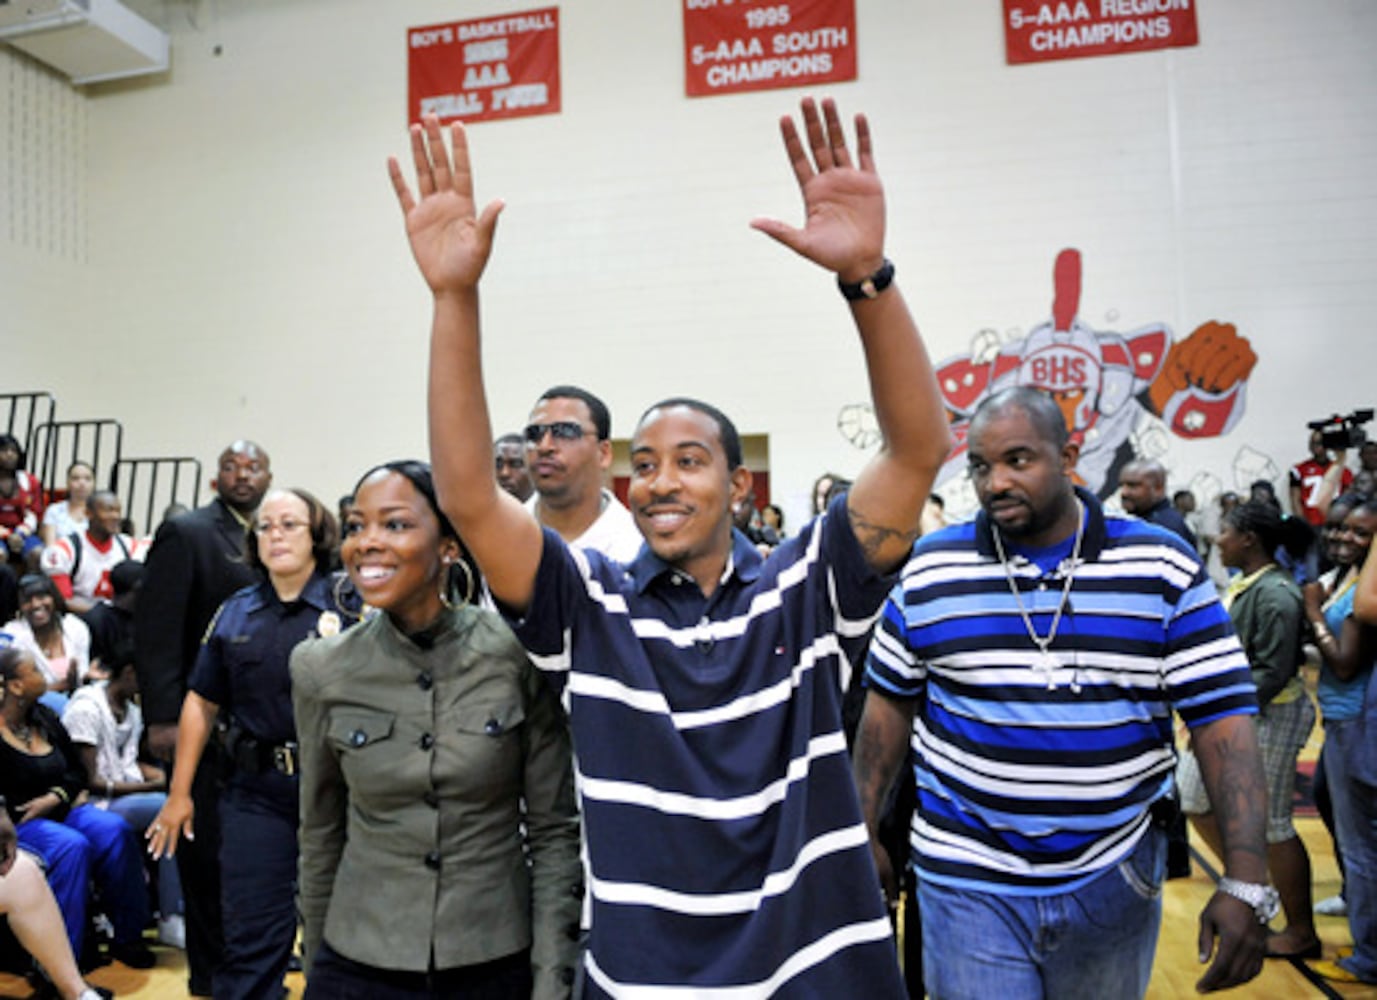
(439, 834)
(1268, 614)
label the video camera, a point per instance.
(1340, 433)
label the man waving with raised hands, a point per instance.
(726, 848)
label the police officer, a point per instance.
(241, 672)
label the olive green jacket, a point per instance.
(1268, 617)
(437, 801)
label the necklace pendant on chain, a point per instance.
(1048, 664)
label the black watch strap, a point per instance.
(870, 287)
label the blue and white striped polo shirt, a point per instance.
(726, 848)
(1030, 781)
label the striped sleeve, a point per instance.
(1206, 671)
(892, 666)
(563, 579)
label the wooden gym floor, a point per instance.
(1174, 973)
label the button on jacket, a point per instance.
(420, 763)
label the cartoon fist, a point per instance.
(1212, 360)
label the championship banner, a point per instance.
(737, 45)
(491, 67)
(1041, 32)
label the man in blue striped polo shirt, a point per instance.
(727, 855)
(1032, 659)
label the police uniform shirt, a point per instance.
(242, 666)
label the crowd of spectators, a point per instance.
(235, 703)
(72, 687)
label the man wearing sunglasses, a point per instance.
(568, 452)
(726, 850)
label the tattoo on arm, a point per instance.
(874, 774)
(875, 539)
(1232, 768)
(881, 743)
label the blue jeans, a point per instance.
(1096, 941)
(139, 810)
(1355, 822)
(92, 843)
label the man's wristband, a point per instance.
(868, 288)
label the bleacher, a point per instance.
(145, 485)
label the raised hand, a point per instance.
(449, 240)
(844, 204)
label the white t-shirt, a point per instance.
(59, 516)
(614, 533)
(91, 722)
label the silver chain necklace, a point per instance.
(1047, 664)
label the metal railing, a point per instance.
(23, 411)
(59, 443)
(148, 486)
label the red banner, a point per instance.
(1035, 31)
(492, 67)
(736, 45)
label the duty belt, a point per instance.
(254, 756)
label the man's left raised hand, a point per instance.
(844, 203)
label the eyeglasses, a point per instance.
(287, 526)
(560, 430)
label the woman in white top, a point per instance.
(59, 642)
(69, 516)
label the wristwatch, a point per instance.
(1262, 898)
(870, 287)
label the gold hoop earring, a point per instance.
(347, 599)
(470, 584)
(445, 599)
(447, 588)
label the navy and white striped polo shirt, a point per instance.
(726, 848)
(1032, 781)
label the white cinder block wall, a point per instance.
(218, 252)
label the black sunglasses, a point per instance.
(560, 430)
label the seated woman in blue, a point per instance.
(42, 781)
(27, 904)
